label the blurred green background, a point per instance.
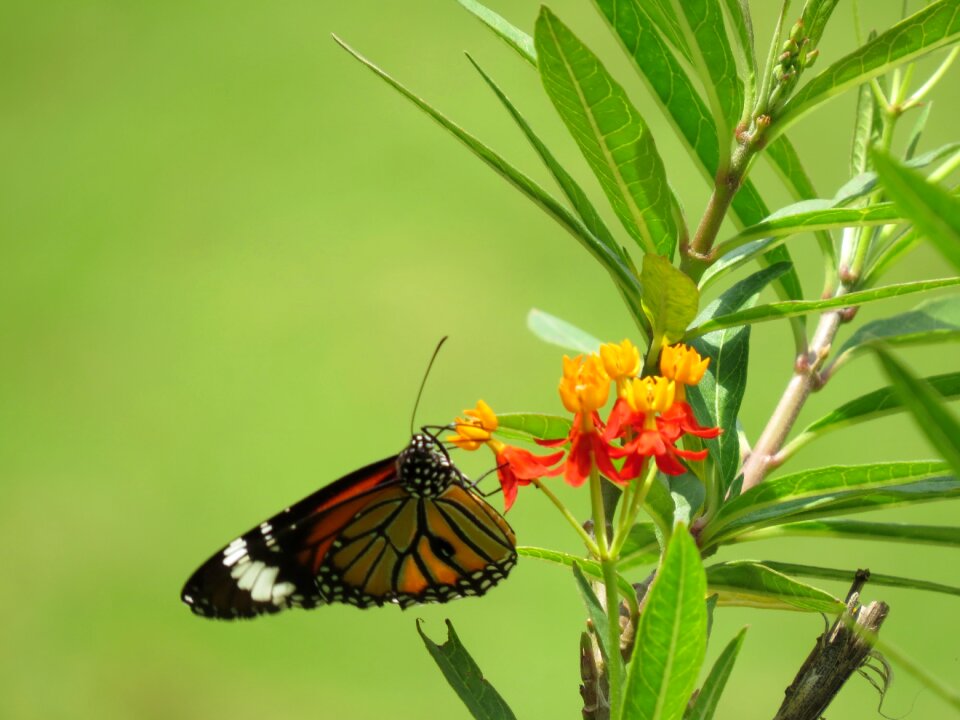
(227, 253)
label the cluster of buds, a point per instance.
(796, 56)
(649, 417)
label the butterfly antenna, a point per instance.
(416, 404)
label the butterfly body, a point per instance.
(406, 530)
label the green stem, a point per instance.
(574, 523)
(612, 591)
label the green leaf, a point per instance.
(611, 133)
(847, 576)
(746, 583)
(859, 530)
(716, 398)
(612, 262)
(596, 611)
(829, 491)
(555, 331)
(642, 547)
(734, 259)
(709, 696)
(670, 298)
(931, 414)
(935, 26)
(713, 58)
(671, 637)
(532, 426)
(917, 131)
(932, 321)
(636, 25)
(688, 497)
(876, 404)
(738, 11)
(518, 40)
(466, 678)
(815, 17)
(588, 567)
(575, 194)
(865, 183)
(773, 311)
(668, 25)
(932, 209)
(863, 134)
(810, 216)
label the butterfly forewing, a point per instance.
(405, 530)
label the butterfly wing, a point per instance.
(270, 568)
(363, 540)
(409, 550)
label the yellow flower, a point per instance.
(683, 364)
(585, 385)
(475, 429)
(652, 395)
(620, 361)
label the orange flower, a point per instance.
(515, 466)
(684, 365)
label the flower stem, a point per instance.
(587, 540)
(612, 592)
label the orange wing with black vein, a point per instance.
(408, 550)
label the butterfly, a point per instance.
(408, 529)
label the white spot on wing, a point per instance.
(263, 587)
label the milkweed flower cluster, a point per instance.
(650, 415)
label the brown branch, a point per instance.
(838, 653)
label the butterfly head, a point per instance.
(424, 468)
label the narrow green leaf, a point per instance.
(734, 259)
(810, 216)
(611, 133)
(632, 21)
(746, 583)
(466, 678)
(860, 530)
(932, 321)
(667, 23)
(773, 311)
(863, 130)
(714, 60)
(876, 404)
(917, 131)
(891, 255)
(815, 17)
(642, 547)
(555, 331)
(519, 41)
(532, 426)
(670, 298)
(716, 398)
(847, 576)
(931, 414)
(671, 638)
(829, 491)
(682, 105)
(595, 611)
(932, 209)
(864, 183)
(738, 11)
(705, 705)
(588, 567)
(575, 194)
(935, 26)
(621, 274)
